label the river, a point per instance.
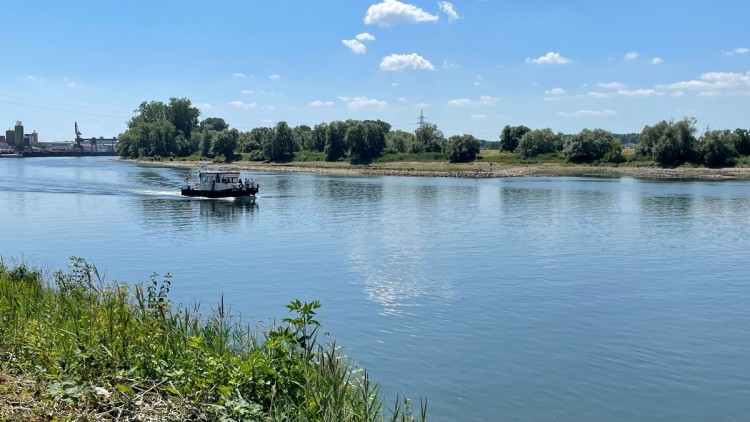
(516, 299)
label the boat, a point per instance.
(220, 184)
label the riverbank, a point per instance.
(77, 348)
(475, 170)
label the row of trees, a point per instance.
(668, 144)
(173, 129)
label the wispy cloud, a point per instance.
(487, 100)
(361, 102)
(247, 92)
(449, 10)
(594, 94)
(480, 116)
(393, 12)
(238, 75)
(657, 60)
(202, 106)
(356, 46)
(555, 91)
(318, 103)
(365, 37)
(611, 85)
(631, 55)
(739, 50)
(448, 65)
(589, 113)
(274, 77)
(715, 84)
(639, 92)
(549, 58)
(411, 61)
(459, 102)
(240, 104)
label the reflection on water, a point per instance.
(227, 211)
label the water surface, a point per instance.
(520, 299)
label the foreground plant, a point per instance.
(88, 350)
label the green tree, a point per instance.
(588, 145)
(717, 148)
(356, 141)
(511, 136)
(213, 123)
(319, 137)
(668, 143)
(302, 137)
(335, 146)
(183, 115)
(398, 141)
(535, 142)
(742, 141)
(462, 148)
(427, 138)
(225, 143)
(280, 147)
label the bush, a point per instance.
(535, 142)
(462, 148)
(589, 145)
(717, 148)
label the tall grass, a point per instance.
(103, 348)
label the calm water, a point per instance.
(528, 299)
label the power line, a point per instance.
(63, 110)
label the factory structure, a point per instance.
(17, 141)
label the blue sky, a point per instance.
(473, 66)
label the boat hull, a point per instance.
(243, 193)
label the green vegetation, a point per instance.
(87, 350)
(173, 130)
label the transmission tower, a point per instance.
(421, 118)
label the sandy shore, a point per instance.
(469, 170)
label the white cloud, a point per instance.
(365, 37)
(459, 102)
(423, 105)
(411, 61)
(72, 84)
(611, 85)
(638, 92)
(238, 75)
(247, 92)
(589, 113)
(632, 55)
(318, 103)
(594, 94)
(478, 116)
(448, 65)
(555, 91)
(549, 58)
(359, 102)
(393, 12)
(677, 94)
(30, 77)
(240, 104)
(740, 50)
(449, 10)
(394, 84)
(657, 60)
(274, 77)
(403, 100)
(356, 46)
(487, 100)
(715, 84)
(202, 106)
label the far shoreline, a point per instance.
(474, 170)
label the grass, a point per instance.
(76, 348)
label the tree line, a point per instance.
(174, 129)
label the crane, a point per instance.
(78, 147)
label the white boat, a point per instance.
(220, 184)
